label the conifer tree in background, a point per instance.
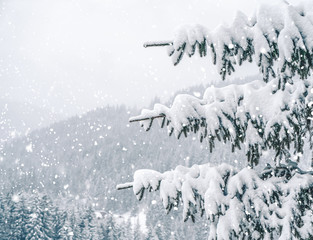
(3, 219)
(59, 227)
(38, 224)
(36, 216)
(272, 115)
(88, 224)
(45, 214)
(17, 216)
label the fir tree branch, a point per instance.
(278, 39)
(138, 119)
(157, 44)
(124, 186)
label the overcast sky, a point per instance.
(71, 56)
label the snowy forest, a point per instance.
(228, 155)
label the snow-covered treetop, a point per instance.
(279, 39)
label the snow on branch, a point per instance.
(157, 44)
(282, 34)
(278, 202)
(253, 114)
(124, 186)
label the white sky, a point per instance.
(71, 56)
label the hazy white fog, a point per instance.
(70, 56)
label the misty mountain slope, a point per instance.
(82, 159)
(86, 156)
(18, 119)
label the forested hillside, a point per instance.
(79, 162)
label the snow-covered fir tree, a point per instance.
(271, 116)
(36, 216)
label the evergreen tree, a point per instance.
(88, 226)
(92, 225)
(60, 230)
(3, 218)
(84, 229)
(16, 216)
(36, 226)
(273, 114)
(103, 231)
(109, 229)
(75, 222)
(69, 225)
(46, 215)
